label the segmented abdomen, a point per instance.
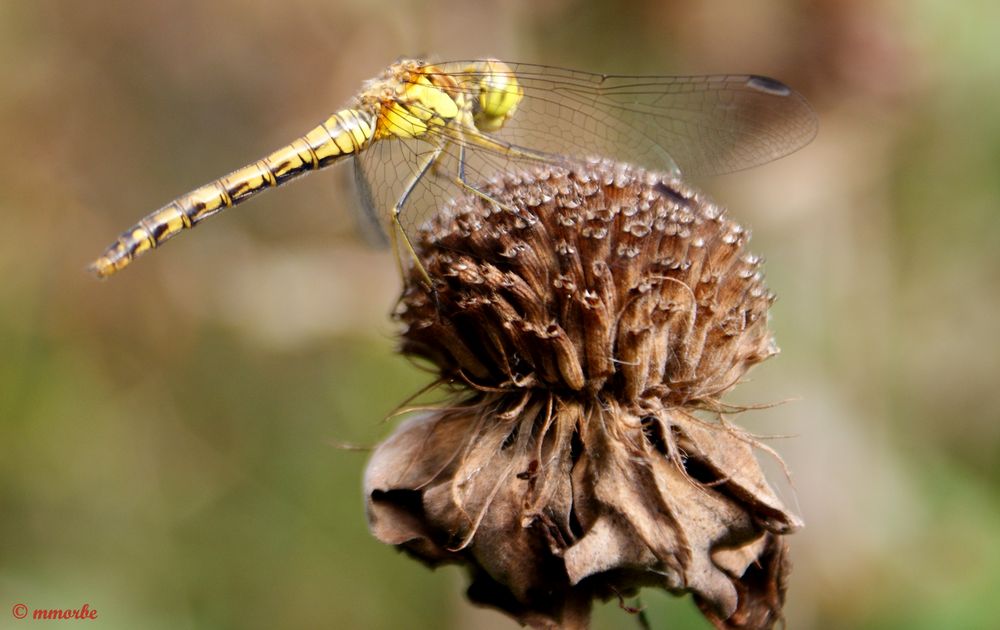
(342, 134)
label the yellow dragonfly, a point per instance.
(422, 133)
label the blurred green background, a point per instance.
(168, 438)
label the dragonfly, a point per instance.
(422, 133)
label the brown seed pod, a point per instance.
(589, 320)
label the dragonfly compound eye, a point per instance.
(499, 94)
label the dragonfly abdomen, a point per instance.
(342, 134)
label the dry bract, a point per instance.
(588, 324)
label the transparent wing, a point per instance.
(388, 168)
(370, 222)
(703, 125)
(700, 125)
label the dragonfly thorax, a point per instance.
(414, 98)
(419, 102)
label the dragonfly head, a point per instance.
(499, 94)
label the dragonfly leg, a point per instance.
(397, 226)
(461, 181)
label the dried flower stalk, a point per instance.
(589, 323)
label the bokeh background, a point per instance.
(169, 439)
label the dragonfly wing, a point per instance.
(565, 120)
(368, 219)
(387, 168)
(703, 125)
(390, 167)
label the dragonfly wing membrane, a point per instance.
(699, 125)
(369, 217)
(716, 124)
(388, 168)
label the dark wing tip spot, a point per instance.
(768, 86)
(671, 193)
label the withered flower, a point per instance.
(588, 321)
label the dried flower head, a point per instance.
(589, 320)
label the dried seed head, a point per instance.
(589, 312)
(606, 279)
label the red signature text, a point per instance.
(20, 611)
